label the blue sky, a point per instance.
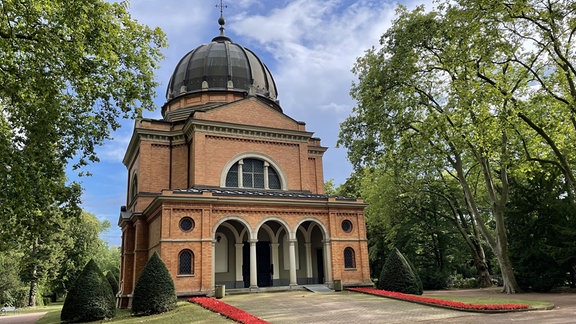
(309, 46)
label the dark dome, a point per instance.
(221, 66)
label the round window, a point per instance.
(347, 226)
(186, 224)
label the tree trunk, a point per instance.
(484, 278)
(498, 244)
(34, 279)
(32, 293)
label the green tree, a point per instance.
(12, 290)
(541, 223)
(399, 275)
(450, 91)
(113, 282)
(82, 244)
(154, 292)
(70, 70)
(90, 298)
(420, 218)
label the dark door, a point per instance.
(263, 266)
(320, 265)
(246, 264)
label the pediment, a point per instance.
(251, 112)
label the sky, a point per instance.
(310, 47)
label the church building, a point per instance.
(229, 190)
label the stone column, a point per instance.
(275, 263)
(239, 255)
(213, 264)
(308, 247)
(327, 262)
(292, 254)
(253, 268)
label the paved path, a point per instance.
(349, 307)
(21, 318)
(336, 307)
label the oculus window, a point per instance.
(186, 224)
(252, 173)
(347, 226)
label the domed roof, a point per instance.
(221, 65)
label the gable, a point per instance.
(250, 112)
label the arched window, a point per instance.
(252, 173)
(349, 258)
(134, 186)
(186, 262)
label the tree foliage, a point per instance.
(113, 282)
(69, 71)
(82, 244)
(419, 217)
(154, 292)
(90, 298)
(472, 90)
(542, 238)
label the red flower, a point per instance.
(440, 302)
(229, 311)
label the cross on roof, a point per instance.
(221, 6)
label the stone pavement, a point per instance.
(348, 307)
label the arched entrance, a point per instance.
(230, 236)
(315, 253)
(270, 248)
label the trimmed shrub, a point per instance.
(113, 282)
(90, 298)
(154, 292)
(399, 275)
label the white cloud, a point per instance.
(113, 151)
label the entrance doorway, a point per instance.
(263, 265)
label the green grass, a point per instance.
(539, 304)
(185, 312)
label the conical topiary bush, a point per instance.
(113, 282)
(398, 275)
(154, 292)
(90, 298)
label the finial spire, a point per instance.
(221, 20)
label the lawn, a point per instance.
(538, 304)
(184, 313)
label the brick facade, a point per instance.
(179, 204)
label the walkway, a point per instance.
(21, 318)
(349, 307)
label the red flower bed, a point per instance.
(442, 303)
(229, 311)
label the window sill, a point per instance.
(185, 275)
(350, 269)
